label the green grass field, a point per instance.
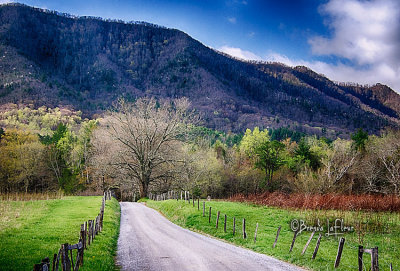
(270, 218)
(32, 230)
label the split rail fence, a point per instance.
(63, 260)
(185, 195)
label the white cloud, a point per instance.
(344, 73)
(362, 31)
(232, 20)
(368, 34)
(382, 73)
(5, 1)
(365, 33)
(239, 53)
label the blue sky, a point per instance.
(347, 40)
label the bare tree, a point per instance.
(387, 149)
(336, 164)
(148, 133)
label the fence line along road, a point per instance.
(372, 251)
(64, 257)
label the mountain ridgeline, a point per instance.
(86, 63)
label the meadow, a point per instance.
(371, 229)
(33, 230)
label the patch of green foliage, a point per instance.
(360, 139)
(201, 132)
(31, 231)
(270, 218)
(283, 133)
(44, 149)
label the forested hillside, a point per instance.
(86, 64)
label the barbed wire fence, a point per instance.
(64, 259)
(361, 254)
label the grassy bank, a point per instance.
(32, 230)
(383, 232)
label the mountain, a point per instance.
(86, 63)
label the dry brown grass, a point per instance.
(18, 196)
(366, 213)
(389, 203)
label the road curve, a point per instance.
(149, 241)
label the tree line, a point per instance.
(157, 145)
(44, 149)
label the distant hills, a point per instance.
(86, 63)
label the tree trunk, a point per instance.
(144, 189)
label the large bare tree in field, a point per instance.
(148, 133)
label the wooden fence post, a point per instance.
(54, 262)
(86, 234)
(43, 266)
(374, 259)
(255, 233)
(96, 226)
(339, 253)
(83, 234)
(293, 241)
(88, 231)
(81, 251)
(244, 228)
(316, 247)
(198, 204)
(92, 229)
(225, 224)
(360, 258)
(234, 225)
(72, 259)
(65, 262)
(209, 215)
(102, 215)
(277, 235)
(216, 224)
(193, 200)
(98, 223)
(46, 262)
(58, 259)
(308, 242)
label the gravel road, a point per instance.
(149, 241)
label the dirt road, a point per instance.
(149, 241)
